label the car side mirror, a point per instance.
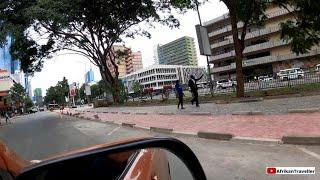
(146, 158)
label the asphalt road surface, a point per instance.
(44, 134)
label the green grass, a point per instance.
(299, 89)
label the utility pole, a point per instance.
(208, 63)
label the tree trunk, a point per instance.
(116, 91)
(238, 50)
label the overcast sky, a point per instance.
(73, 67)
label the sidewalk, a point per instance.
(269, 107)
(255, 126)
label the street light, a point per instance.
(208, 63)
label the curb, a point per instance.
(141, 113)
(125, 113)
(308, 110)
(181, 133)
(200, 113)
(266, 141)
(161, 130)
(131, 125)
(248, 113)
(301, 140)
(217, 136)
(166, 113)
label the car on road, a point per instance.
(33, 110)
(318, 68)
(265, 78)
(41, 109)
(224, 84)
(288, 74)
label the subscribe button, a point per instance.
(290, 170)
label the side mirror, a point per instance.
(146, 158)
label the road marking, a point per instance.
(114, 130)
(313, 154)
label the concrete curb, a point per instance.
(131, 125)
(184, 134)
(200, 113)
(301, 140)
(212, 135)
(125, 112)
(256, 140)
(308, 110)
(161, 130)
(141, 113)
(166, 113)
(248, 113)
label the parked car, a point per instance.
(318, 68)
(294, 73)
(223, 84)
(41, 109)
(265, 78)
(33, 110)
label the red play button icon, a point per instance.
(271, 170)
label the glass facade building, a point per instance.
(6, 61)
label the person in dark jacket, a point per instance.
(194, 89)
(180, 94)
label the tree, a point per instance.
(88, 28)
(17, 94)
(137, 88)
(249, 13)
(303, 31)
(28, 102)
(58, 93)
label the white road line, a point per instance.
(313, 154)
(114, 130)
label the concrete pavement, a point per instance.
(42, 134)
(267, 106)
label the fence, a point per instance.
(269, 83)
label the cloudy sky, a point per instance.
(73, 67)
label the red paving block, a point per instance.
(258, 126)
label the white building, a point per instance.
(158, 76)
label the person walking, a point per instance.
(194, 89)
(7, 117)
(180, 94)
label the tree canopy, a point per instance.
(58, 93)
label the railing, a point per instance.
(248, 49)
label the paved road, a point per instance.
(43, 134)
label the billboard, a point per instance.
(72, 89)
(203, 40)
(88, 90)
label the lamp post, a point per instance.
(208, 63)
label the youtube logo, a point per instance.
(271, 170)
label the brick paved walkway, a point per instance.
(257, 126)
(271, 106)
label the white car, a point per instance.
(265, 78)
(223, 84)
(294, 73)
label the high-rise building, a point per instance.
(128, 63)
(89, 76)
(38, 96)
(155, 55)
(134, 62)
(181, 51)
(265, 52)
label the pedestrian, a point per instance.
(194, 89)
(7, 117)
(180, 94)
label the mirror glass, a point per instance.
(153, 164)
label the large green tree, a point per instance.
(304, 29)
(17, 94)
(58, 93)
(86, 27)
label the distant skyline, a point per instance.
(74, 67)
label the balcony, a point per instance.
(251, 35)
(266, 60)
(228, 28)
(250, 49)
